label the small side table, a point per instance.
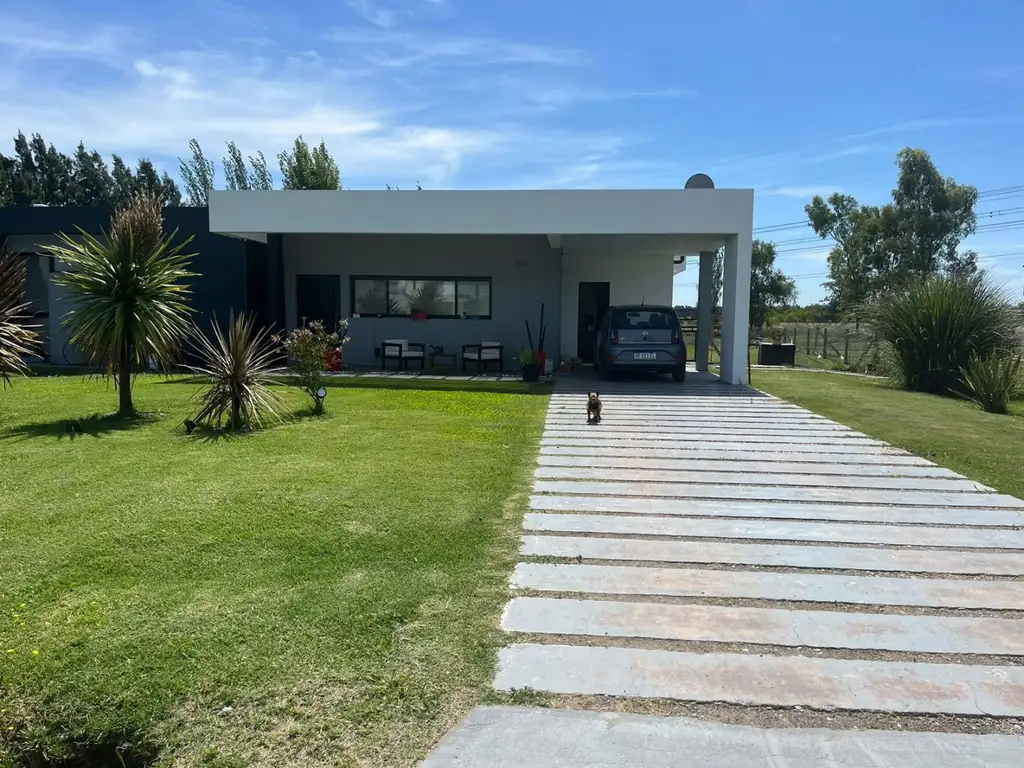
(445, 359)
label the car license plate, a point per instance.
(645, 355)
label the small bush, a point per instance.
(934, 327)
(309, 350)
(240, 365)
(993, 381)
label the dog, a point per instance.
(593, 407)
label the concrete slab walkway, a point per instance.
(709, 546)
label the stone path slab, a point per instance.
(738, 426)
(696, 452)
(776, 555)
(711, 446)
(754, 477)
(697, 466)
(766, 626)
(714, 434)
(771, 493)
(779, 681)
(775, 530)
(778, 510)
(513, 737)
(765, 585)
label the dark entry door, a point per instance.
(593, 304)
(318, 297)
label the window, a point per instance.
(644, 319)
(446, 297)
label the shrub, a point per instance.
(240, 366)
(933, 327)
(309, 350)
(993, 381)
(17, 339)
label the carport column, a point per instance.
(736, 308)
(705, 309)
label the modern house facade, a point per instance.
(449, 268)
(438, 268)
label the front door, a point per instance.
(318, 297)
(593, 304)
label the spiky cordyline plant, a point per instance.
(16, 338)
(130, 298)
(240, 365)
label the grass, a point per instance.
(324, 592)
(952, 432)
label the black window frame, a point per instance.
(423, 278)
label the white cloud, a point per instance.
(373, 12)
(129, 93)
(799, 192)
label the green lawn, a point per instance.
(334, 581)
(952, 432)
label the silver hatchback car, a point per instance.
(640, 338)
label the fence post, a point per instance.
(824, 346)
(846, 347)
(808, 349)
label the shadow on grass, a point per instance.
(443, 385)
(95, 425)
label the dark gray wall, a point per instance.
(221, 262)
(524, 272)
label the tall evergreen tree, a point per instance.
(198, 174)
(53, 170)
(5, 181)
(303, 168)
(91, 181)
(25, 179)
(124, 181)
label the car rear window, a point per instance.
(646, 319)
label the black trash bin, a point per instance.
(776, 354)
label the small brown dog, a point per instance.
(593, 407)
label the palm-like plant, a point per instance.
(16, 338)
(239, 365)
(131, 301)
(993, 381)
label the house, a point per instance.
(447, 268)
(477, 265)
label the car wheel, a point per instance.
(679, 374)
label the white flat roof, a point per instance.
(485, 212)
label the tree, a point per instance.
(5, 182)
(124, 181)
(198, 175)
(24, 179)
(916, 235)
(91, 182)
(770, 289)
(163, 186)
(303, 168)
(53, 172)
(238, 176)
(308, 350)
(17, 339)
(131, 301)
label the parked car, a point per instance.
(640, 338)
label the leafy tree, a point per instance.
(769, 287)
(6, 198)
(198, 174)
(25, 189)
(131, 301)
(17, 339)
(240, 177)
(308, 349)
(303, 168)
(124, 181)
(91, 182)
(916, 235)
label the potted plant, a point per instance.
(529, 362)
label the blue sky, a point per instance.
(789, 97)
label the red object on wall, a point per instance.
(334, 360)
(542, 358)
(419, 314)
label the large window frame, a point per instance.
(388, 279)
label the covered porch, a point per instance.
(489, 260)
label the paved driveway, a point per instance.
(722, 548)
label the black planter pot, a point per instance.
(776, 354)
(531, 373)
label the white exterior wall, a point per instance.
(631, 279)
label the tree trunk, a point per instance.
(124, 383)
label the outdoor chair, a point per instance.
(402, 351)
(482, 354)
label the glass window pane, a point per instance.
(474, 298)
(370, 297)
(435, 297)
